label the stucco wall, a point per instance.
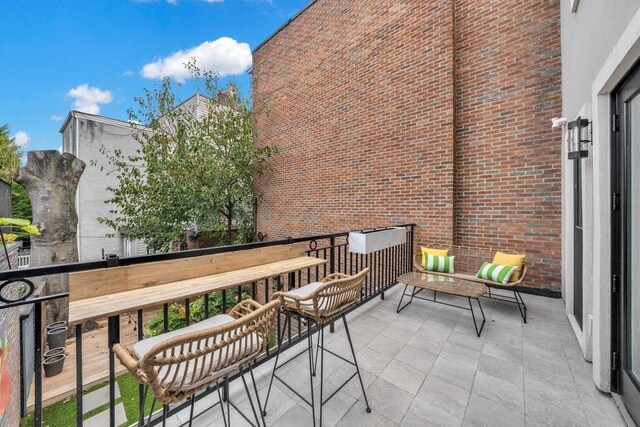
(587, 39)
(599, 45)
(92, 189)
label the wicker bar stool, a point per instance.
(321, 302)
(176, 365)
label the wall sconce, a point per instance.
(578, 136)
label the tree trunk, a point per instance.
(51, 180)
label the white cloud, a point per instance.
(128, 73)
(21, 139)
(56, 118)
(88, 99)
(224, 56)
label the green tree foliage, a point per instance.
(9, 154)
(192, 170)
(9, 162)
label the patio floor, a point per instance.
(425, 366)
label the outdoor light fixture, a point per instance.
(578, 136)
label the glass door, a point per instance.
(577, 240)
(626, 240)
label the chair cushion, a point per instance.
(517, 261)
(302, 292)
(253, 344)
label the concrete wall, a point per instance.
(83, 136)
(600, 43)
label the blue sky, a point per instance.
(90, 54)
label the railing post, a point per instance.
(332, 268)
(114, 338)
(37, 356)
(79, 402)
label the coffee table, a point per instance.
(446, 285)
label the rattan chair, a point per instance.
(176, 365)
(468, 261)
(321, 303)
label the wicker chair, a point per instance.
(321, 302)
(176, 365)
(468, 261)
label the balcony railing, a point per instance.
(18, 291)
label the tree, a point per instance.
(194, 168)
(9, 154)
(9, 162)
(51, 180)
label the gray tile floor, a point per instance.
(425, 366)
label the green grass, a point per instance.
(63, 413)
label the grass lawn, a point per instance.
(64, 413)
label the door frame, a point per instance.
(622, 56)
(619, 247)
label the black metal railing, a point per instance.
(385, 266)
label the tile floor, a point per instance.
(425, 366)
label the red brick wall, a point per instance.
(385, 112)
(507, 163)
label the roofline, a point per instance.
(97, 118)
(283, 26)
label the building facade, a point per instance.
(601, 240)
(433, 112)
(84, 135)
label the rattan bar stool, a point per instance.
(321, 303)
(178, 364)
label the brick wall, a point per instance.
(508, 170)
(395, 111)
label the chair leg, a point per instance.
(224, 418)
(315, 363)
(246, 389)
(164, 415)
(311, 373)
(153, 404)
(321, 340)
(275, 366)
(255, 388)
(523, 309)
(355, 361)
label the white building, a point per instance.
(601, 192)
(83, 135)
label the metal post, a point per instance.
(114, 338)
(37, 356)
(79, 411)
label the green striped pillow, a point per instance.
(496, 273)
(442, 264)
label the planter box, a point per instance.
(368, 241)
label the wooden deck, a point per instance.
(95, 362)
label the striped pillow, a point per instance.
(442, 264)
(496, 273)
